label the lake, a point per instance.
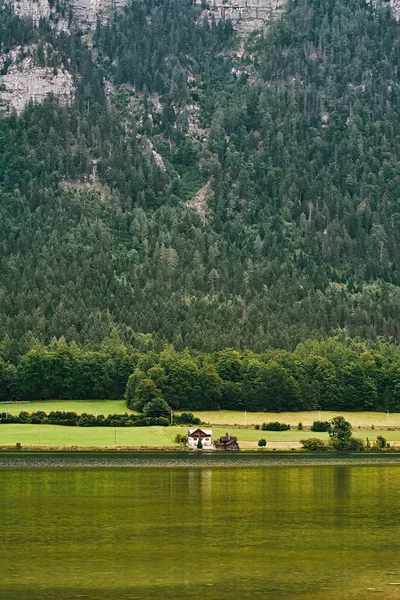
(253, 531)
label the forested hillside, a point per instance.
(200, 188)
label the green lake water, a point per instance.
(249, 532)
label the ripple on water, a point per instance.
(10, 460)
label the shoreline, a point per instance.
(151, 458)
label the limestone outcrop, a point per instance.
(395, 4)
(25, 80)
(35, 9)
(84, 12)
(87, 11)
(246, 15)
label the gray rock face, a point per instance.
(36, 9)
(26, 81)
(395, 4)
(246, 15)
(86, 11)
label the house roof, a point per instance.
(207, 432)
(228, 438)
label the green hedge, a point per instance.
(84, 420)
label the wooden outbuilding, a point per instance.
(227, 442)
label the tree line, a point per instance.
(337, 373)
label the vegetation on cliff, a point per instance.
(298, 141)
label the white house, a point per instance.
(203, 434)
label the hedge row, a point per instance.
(84, 420)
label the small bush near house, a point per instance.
(262, 443)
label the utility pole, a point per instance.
(245, 417)
(387, 415)
(172, 417)
(115, 436)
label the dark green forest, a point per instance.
(298, 141)
(334, 374)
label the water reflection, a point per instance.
(280, 533)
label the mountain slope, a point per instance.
(292, 135)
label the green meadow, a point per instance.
(220, 417)
(57, 435)
(102, 407)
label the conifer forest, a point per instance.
(217, 214)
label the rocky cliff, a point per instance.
(36, 9)
(246, 15)
(24, 79)
(84, 12)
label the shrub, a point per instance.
(275, 426)
(23, 417)
(262, 443)
(321, 426)
(187, 418)
(300, 427)
(356, 445)
(381, 441)
(352, 444)
(62, 418)
(257, 427)
(181, 439)
(7, 418)
(86, 420)
(314, 444)
(39, 417)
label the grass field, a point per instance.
(362, 419)
(221, 417)
(102, 407)
(56, 435)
